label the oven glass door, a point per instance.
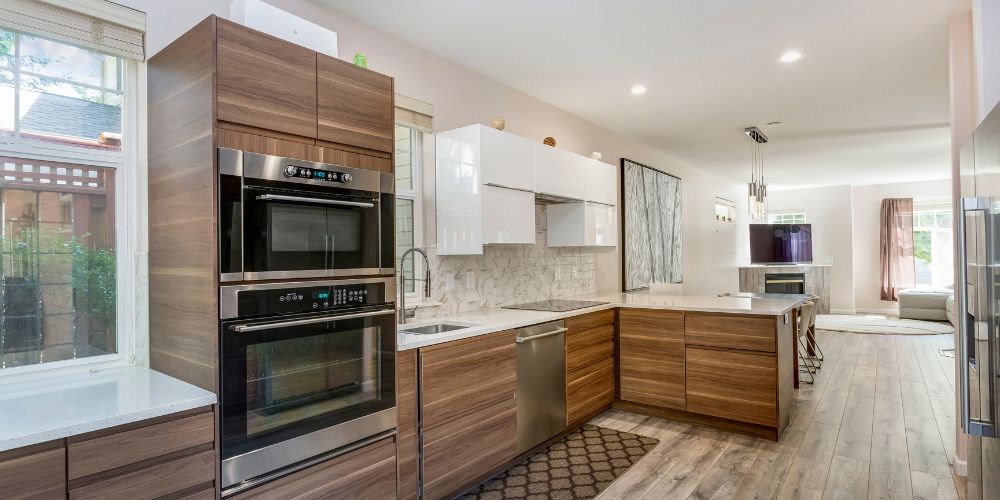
(286, 378)
(296, 234)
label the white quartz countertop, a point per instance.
(49, 408)
(486, 321)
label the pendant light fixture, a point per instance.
(756, 188)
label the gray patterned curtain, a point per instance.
(652, 232)
(896, 247)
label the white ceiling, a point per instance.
(867, 104)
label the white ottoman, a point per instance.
(920, 303)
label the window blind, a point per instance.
(414, 114)
(71, 21)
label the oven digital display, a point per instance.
(306, 299)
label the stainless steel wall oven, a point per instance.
(282, 218)
(307, 368)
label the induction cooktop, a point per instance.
(556, 305)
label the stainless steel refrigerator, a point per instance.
(979, 305)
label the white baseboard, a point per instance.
(961, 467)
(887, 312)
(842, 311)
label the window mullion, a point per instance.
(17, 87)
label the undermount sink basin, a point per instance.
(433, 328)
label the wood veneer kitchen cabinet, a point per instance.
(407, 432)
(34, 472)
(469, 411)
(355, 105)
(651, 357)
(368, 472)
(225, 85)
(265, 82)
(590, 368)
(737, 385)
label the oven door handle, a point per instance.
(310, 321)
(321, 201)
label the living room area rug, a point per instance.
(578, 466)
(881, 325)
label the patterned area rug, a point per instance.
(881, 325)
(578, 466)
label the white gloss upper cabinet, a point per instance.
(603, 183)
(569, 175)
(508, 160)
(561, 173)
(583, 224)
(508, 216)
(458, 192)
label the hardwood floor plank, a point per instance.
(848, 479)
(931, 487)
(872, 426)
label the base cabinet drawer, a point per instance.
(35, 472)
(730, 331)
(735, 385)
(590, 389)
(152, 481)
(368, 472)
(460, 452)
(588, 347)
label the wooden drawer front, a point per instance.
(732, 331)
(368, 472)
(588, 321)
(355, 105)
(35, 475)
(356, 160)
(464, 377)
(463, 451)
(735, 385)
(590, 389)
(129, 447)
(254, 143)
(588, 347)
(265, 82)
(651, 357)
(154, 481)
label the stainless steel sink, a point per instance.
(433, 328)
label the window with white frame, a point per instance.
(933, 254)
(787, 217)
(69, 166)
(408, 205)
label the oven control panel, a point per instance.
(309, 298)
(316, 174)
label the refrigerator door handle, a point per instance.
(967, 320)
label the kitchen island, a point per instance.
(725, 362)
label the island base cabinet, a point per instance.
(734, 385)
(651, 357)
(368, 472)
(590, 389)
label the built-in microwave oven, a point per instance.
(283, 218)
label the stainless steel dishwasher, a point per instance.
(541, 383)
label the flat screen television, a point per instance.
(781, 243)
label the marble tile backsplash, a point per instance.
(506, 275)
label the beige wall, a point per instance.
(845, 223)
(828, 209)
(461, 97)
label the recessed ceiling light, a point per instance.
(638, 89)
(790, 56)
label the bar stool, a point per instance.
(817, 354)
(808, 366)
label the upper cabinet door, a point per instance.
(508, 160)
(265, 82)
(603, 183)
(355, 105)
